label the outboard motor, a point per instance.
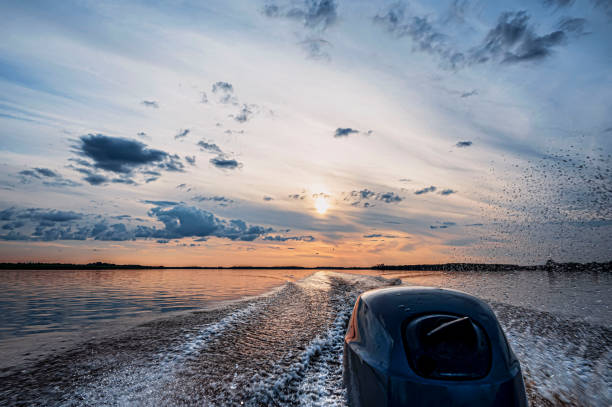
(420, 346)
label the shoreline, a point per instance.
(550, 265)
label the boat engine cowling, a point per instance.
(421, 346)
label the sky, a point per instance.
(305, 132)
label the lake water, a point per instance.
(121, 329)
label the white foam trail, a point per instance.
(137, 384)
(560, 373)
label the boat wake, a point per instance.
(285, 348)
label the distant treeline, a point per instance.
(550, 265)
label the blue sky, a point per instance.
(310, 132)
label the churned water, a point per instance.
(173, 338)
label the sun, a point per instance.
(321, 204)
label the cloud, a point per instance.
(224, 163)
(45, 172)
(187, 221)
(468, 94)
(210, 147)
(142, 134)
(558, 3)
(425, 190)
(244, 114)
(279, 238)
(389, 197)
(224, 91)
(37, 214)
(121, 156)
(462, 144)
(161, 203)
(420, 31)
(572, 25)
(605, 5)
(178, 221)
(316, 48)
(363, 196)
(220, 199)
(96, 179)
(313, 14)
(512, 40)
(118, 154)
(203, 98)
(150, 103)
(182, 134)
(447, 192)
(344, 132)
(377, 235)
(48, 177)
(297, 197)
(191, 159)
(443, 225)
(268, 198)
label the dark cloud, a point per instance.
(572, 25)
(224, 91)
(47, 177)
(219, 199)
(388, 197)
(314, 14)
(126, 181)
(462, 144)
(150, 103)
(244, 114)
(121, 156)
(420, 31)
(118, 154)
(425, 190)
(161, 203)
(178, 221)
(362, 197)
(512, 40)
(186, 221)
(96, 179)
(475, 224)
(50, 216)
(142, 134)
(182, 134)
(210, 147)
(605, 5)
(344, 132)
(470, 93)
(279, 238)
(378, 235)
(443, 225)
(45, 172)
(447, 192)
(190, 159)
(267, 198)
(297, 197)
(558, 3)
(224, 163)
(29, 173)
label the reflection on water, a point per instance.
(43, 311)
(36, 301)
